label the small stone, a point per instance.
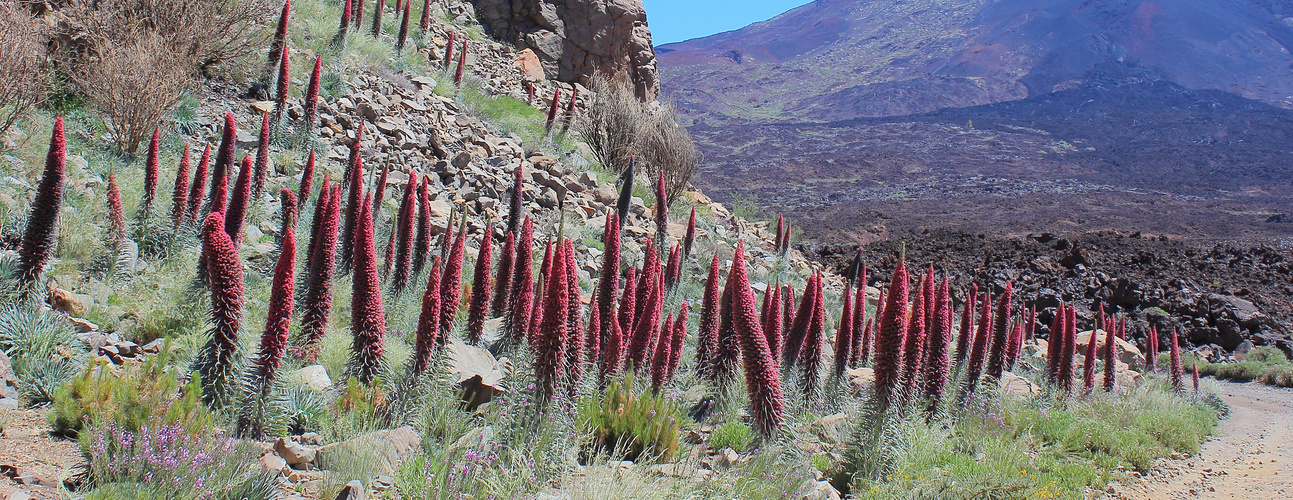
(261, 107)
(383, 482)
(354, 490)
(314, 376)
(462, 160)
(272, 462)
(292, 452)
(20, 495)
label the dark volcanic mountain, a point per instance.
(860, 116)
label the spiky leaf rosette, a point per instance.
(277, 46)
(762, 379)
(354, 205)
(462, 62)
(311, 103)
(1177, 372)
(1000, 329)
(690, 238)
(937, 362)
(317, 303)
(428, 321)
(893, 331)
(552, 108)
(180, 193)
(967, 322)
(116, 219)
(478, 309)
(407, 226)
(368, 320)
(216, 362)
(979, 351)
(503, 277)
(199, 186)
(307, 177)
(38, 237)
(1065, 374)
(151, 173)
(1110, 364)
(843, 335)
(914, 344)
(284, 81)
(707, 341)
(522, 286)
(451, 282)
(803, 320)
(810, 357)
(281, 299)
(237, 213)
(551, 337)
(422, 244)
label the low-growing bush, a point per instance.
(42, 349)
(172, 461)
(135, 82)
(1266, 365)
(734, 435)
(631, 424)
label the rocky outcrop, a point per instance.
(576, 38)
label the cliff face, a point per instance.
(576, 38)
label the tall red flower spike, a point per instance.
(661, 354)
(262, 159)
(317, 301)
(661, 212)
(425, 23)
(723, 362)
(522, 286)
(116, 219)
(570, 106)
(428, 321)
(404, 28)
(609, 281)
(1194, 371)
(772, 328)
(551, 341)
(859, 321)
(843, 336)
(892, 333)
(707, 341)
(1000, 328)
(224, 271)
(627, 306)
(311, 103)
(648, 324)
(151, 173)
(811, 352)
(981, 338)
(354, 205)
(690, 238)
(377, 18)
(451, 282)
(914, 344)
(404, 251)
(199, 186)
(761, 376)
(516, 207)
(278, 319)
(541, 282)
(1151, 349)
(649, 267)
(967, 322)
(237, 212)
(679, 336)
(593, 337)
(1110, 363)
(928, 289)
(220, 172)
(367, 321)
(379, 192)
(613, 352)
(1055, 343)
(673, 270)
(38, 237)
(1177, 372)
(503, 278)
(937, 362)
(462, 62)
(803, 320)
(312, 245)
(307, 178)
(1013, 346)
(280, 35)
(448, 50)
(1088, 362)
(781, 226)
(575, 345)
(422, 243)
(478, 310)
(180, 193)
(529, 90)
(787, 318)
(284, 82)
(355, 148)
(552, 110)
(1068, 350)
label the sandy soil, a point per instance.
(1251, 457)
(31, 460)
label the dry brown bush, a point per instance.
(23, 68)
(618, 126)
(136, 84)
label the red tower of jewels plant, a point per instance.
(1088, 362)
(724, 360)
(516, 207)
(284, 81)
(552, 109)
(661, 213)
(967, 321)
(613, 352)
(551, 343)
(215, 201)
(307, 177)
(707, 336)
(673, 270)
(279, 314)
(627, 305)
(312, 245)
(340, 37)
(1013, 346)
(422, 243)
(938, 363)
(478, 310)
(116, 219)
(575, 345)
(794, 339)
(317, 302)
(312, 94)
(503, 278)
(811, 352)
(215, 362)
(151, 173)
(1151, 349)
(262, 159)
(690, 238)
(199, 186)
(522, 286)
(367, 321)
(404, 251)
(428, 321)
(451, 281)
(38, 236)
(1110, 363)
(914, 344)
(892, 333)
(781, 225)
(762, 379)
(1000, 329)
(425, 23)
(609, 281)
(448, 50)
(1177, 372)
(379, 9)
(359, 14)
(679, 336)
(859, 321)
(354, 205)
(404, 29)
(981, 338)
(462, 62)
(1194, 372)
(928, 289)
(279, 44)
(1068, 349)
(661, 355)
(237, 213)
(772, 329)
(648, 323)
(180, 193)
(1054, 344)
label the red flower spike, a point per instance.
(609, 281)
(404, 251)
(317, 300)
(690, 239)
(529, 89)
(647, 325)
(787, 316)
(224, 159)
(451, 283)
(575, 346)
(448, 51)
(673, 270)
(844, 336)
(649, 266)
(287, 204)
(660, 359)
(116, 219)
(311, 103)
(1055, 343)
(892, 333)
(1195, 374)
(180, 194)
(425, 23)
(404, 29)
(462, 62)
(613, 353)
(359, 14)
(503, 279)
(284, 81)
(368, 320)
(1013, 346)
(279, 314)
(1068, 350)
(422, 242)
(763, 308)
(728, 351)
(593, 339)
(1088, 362)
(982, 336)
(867, 341)
(224, 271)
(345, 21)
(262, 159)
(1151, 349)
(541, 283)
(937, 362)
(377, 18)
(428, 321)
(355, 147)
(803, 320)
(478, 310)
(1110, 364)
(237, 212)
(781, 226)
(811, 352)
(379, 194)
(280, 35)
(354, 205)
(199, 186)
(516, 207)
(1000, 329)
(550, 344)
(707, 341)
(914, 344)
(627, 306)
(552, 110)
(1177, 372)
(661, 212)
(928, 291)
(859, 319)
(679, 335)
(522, 286)
(772, 327)
(761, 376)
(307, 177)
(151, 172)
(967, 322)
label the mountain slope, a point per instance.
(841, 59)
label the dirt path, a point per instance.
(1251, 457)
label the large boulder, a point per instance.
(476, 372)
(1126, 352)
(575, 38)
(387, 447)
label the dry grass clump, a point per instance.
(23, 67)
(136, 83)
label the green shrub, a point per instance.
(734, 435)
(1267, 365)
(632, 425)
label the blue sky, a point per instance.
(678, 20)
